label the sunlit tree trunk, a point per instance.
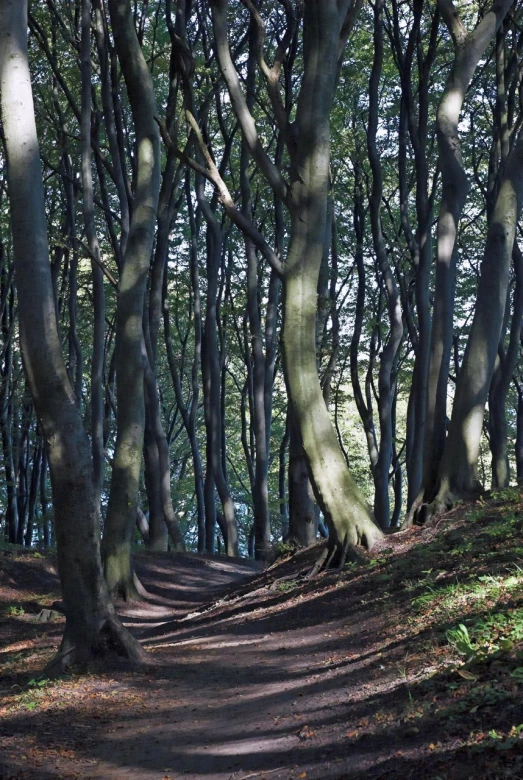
(92, 625)
(469, 47)
(458, 476)
(325, 31)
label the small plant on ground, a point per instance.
(459, 639)
(13, 611)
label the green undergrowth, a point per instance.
(460, 593)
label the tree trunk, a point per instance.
(469, 48)
(92, 625)
(325, 31)
(123, 498)
(6, 416)
(260, 491)
(392, 345)
(303, 525)
(97, 362)
(458, 472)
(504, 370)
(212, 371)
(346, 512)
(519, 437)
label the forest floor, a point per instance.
(407, 666)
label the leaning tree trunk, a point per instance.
(123, 498)
(458, 473)
(326, 27)
(345, 510)
(92, 625)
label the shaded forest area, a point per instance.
(408, 665)
(260, 283)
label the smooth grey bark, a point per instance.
(212, 372)
(415, 112)
(189, 413)
(303, 524)
(22, 464)
(6, 406)
(508, 357)
(519, 435)
(162, 446)
(505, 365)
(123, 498)
(469, 48)
(260, 487)
(325, 31)
(458, 476)
(156, 478)
(92, 625)
(282, 471)
(109, 113)
(45, 521)
(364, 405)
(33, 493)
(97, 360)
(390, 349)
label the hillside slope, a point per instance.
(410, 665)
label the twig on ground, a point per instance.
(257, 774)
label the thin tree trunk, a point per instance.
(504, 370)
(6, 416)
(97, 361)
(260, 493)
(390, 350)
(519, 436)
(123, 498)
(211, 356)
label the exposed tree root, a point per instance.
(427, 513)
(335, 555)
(445, 499)
(129, 588)
(112, 639)
(410, 517)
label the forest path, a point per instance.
(271, 675)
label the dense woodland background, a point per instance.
(213, 173)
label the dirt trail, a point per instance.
(341, 677)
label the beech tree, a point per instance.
(457, 476)
(284, 288)
(91, 621)
(469, 47)
(326, 27)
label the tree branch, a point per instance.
(239, 104)
(224, 197)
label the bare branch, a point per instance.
(453, 21)
(239, 104)
(224, 197)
